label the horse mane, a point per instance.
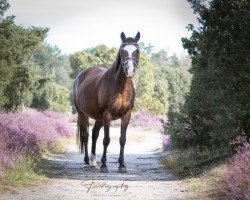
(117, 62)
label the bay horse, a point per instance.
(105, 95)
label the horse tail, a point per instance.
(82, 120)
(82, 131)
(79, 137)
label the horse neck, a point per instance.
(121, 82)
(117, 74)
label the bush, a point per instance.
(193, 162)
(217, 106)
(237, 178)
(29, 134)
(146, 119)
(166, 142)
(51, 96)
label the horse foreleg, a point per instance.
(124, 124)
(95, 134)
(106, 141)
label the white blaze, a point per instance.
(130, 49)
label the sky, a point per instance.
(79, 24)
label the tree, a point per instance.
(147, 49)
(176, 83)
(100, 56)
(53, 64)
(217, 109)
(17, 45)
(174, 80)
(197, 5)
(160, 58)
(50, 95)
(150, 94)
(174, 61)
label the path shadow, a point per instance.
(140, 167)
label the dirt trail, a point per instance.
(145, 178)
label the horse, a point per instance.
(105, 95)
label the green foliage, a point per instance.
(32, 169)
(174, 61)
(174, 79)
(217, 108)
(149, 93)
(50, 95)
(53, 64)
(22, 174)
(17, 45)
(193, 162)
(4, 5)
(177, 82)
(52, 81)
(160, 59)
(171, 73)
(100, 56)
(25, 63)
(147, 49)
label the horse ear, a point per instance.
(123, 36)
(137, 37)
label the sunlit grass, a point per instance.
(192, 162)
(22, 174)
(195, 183)
(201, 171)
(32, 170)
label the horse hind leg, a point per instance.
(83, 135)
(95, 134)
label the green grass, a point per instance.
(60, 145)
(208, 185)
(32, 170)
(22, 174)
(192, 162)
(195, 183)
(201, 171)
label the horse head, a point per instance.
(129, 54)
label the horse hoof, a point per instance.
(95, 167)
(104, 170)
(86, 166)
(122, 170)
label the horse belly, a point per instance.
(90, 107)
(87, 94)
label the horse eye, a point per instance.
(136, 52)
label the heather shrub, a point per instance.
(73, 118)
(237, 178)
(146, 119)
(29, 134)
(166, 142)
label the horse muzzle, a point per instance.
(129, 68)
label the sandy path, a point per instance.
(145, 179)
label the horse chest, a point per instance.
(120, 103)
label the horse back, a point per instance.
(85, 90)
